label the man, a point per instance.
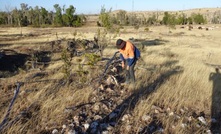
(129, 54)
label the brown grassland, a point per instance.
(176, 70)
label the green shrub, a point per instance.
(147, 29)
(66, 68)
(92, 58)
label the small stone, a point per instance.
(153, 107)
(55, 131)
(156, 111)
(146, 118)
(64, 126)
(109, 90)
(183, 125)
(161, 130)
(96, 108)
(177, 116)
(202, 120)
(105, 132)
(105, 107)
(182, 111)
(101, 87)
(76, 118)
(97, 117)
(109, 80)
(168, 109)
(197, 125)
(86, 126)
(190, 118)
(68, 110)
(72, 132)
(171, 113)
(114, 69)
(128, 128)
(125, 117)
(208, 132)
(71, 125)
(23, 93)
(109, 128)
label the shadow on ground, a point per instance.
(141, 43)
(10, 62)
(215, 77)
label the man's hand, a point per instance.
(122, 65)
(128, 67)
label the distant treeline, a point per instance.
(123, 18)
(62, 16)
(40, 17)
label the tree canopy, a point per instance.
(40, 17)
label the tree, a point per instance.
(69, 16)
(198, 18)
(58, 15)
(152, 20)
(132, 19)
(44, 15)
(190, 20)
(24, 14)
(121, 17)
(182, 20)
(36, 16)
(3, 18)
(9, 15)
(216, 19)
(17, 17)
(105, 19)
(169, 19)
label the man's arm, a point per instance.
(122, 59)
(131, 57)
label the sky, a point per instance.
(91, 7)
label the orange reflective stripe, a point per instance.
(128, 51)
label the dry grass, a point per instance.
(179, 61)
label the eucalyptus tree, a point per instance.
(58, 15)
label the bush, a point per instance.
(66, 68)
(147, 29)
(92, 58)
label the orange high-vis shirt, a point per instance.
(128, 51)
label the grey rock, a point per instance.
(105, 132)
(86, 126)
(146, 118)
(55, 131)
(202, 120)
(72, 132)
(125, 117)
(97, 117)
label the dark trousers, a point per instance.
(130, 76)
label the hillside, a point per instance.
(207, 12)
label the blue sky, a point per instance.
(94, 6)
